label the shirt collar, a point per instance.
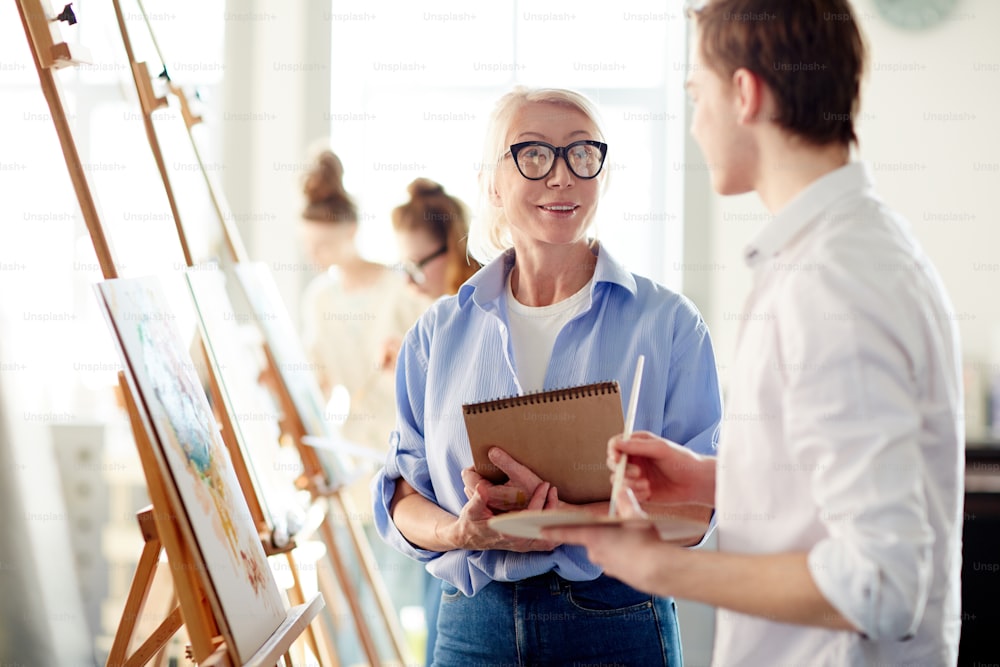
(805, 208)
(487, 284)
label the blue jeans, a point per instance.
(547, 620)
(432, 602)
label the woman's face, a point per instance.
(327, 244)
(557, 209)
(424, 262)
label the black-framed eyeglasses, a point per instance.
(535, 159)
(415, 270)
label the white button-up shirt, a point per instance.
(844, 435)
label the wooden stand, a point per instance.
(319, 641)
(162, 530)
(314, 479)
(37, 20)
(150, 102)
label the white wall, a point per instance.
(928, 126)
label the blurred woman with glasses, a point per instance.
(550, 308)
(432, 230)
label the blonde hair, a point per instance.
(489, 234)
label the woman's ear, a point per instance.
(495, 198)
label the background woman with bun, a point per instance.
(432, 229)
(348, 310)
(350, 306)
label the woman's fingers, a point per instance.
(470, 477)
(519, 474)
(476, 509)
(538, 498)
(506, 498)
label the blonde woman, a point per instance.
(550, 308)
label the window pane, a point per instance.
(390, 43)
(619, 45)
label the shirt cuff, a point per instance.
(879, 605)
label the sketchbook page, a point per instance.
(562, 435)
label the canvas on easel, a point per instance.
(198, 462)
(253, 413)
(295, 370)
(328, 471)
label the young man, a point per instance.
(838, 487)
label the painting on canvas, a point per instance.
(255, 415)
(295, 370)
(197, 459)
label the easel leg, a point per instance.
(139, 590)
(161, 658)
(325, 580)
(157, 640)
(369, 567)
(349, 591)
(320, 642)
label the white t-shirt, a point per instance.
(533, 332)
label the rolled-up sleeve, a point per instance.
(406, 458)
(851, 415)
(693, 411)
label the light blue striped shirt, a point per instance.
(460, 352)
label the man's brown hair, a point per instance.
(810, 53)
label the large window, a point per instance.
(413, 88)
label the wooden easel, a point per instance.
(149, 103)
(163, 529)
(160, 529)
(314, 478)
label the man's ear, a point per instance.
(748, 95)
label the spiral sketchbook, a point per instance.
(561, 434)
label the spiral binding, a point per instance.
(537, 397)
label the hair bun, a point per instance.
(325, 179)
(424, 187)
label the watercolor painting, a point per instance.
(251, 406)
(186, 431)
(296, 371)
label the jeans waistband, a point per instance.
(553, 582)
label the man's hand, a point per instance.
(661, 471)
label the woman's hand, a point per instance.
(428, 526)
(514, 493)
(388, 353)
(471, 530)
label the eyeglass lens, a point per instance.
(535, 159)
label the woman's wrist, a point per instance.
(445, 535)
